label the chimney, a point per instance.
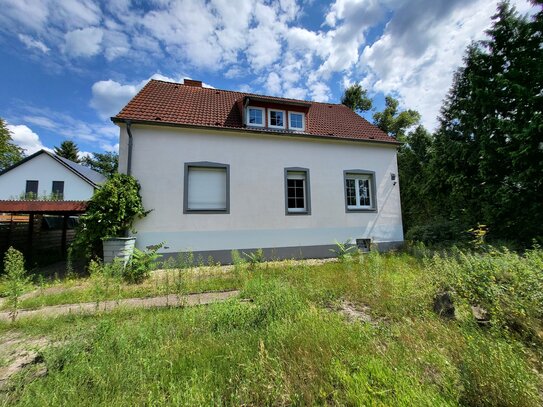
(190, 82)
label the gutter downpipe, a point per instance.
(129, 159)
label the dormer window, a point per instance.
(255, 116)
(296, 121)
(276, 119)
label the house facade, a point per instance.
(223, 170)
(44, 175)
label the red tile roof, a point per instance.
(169, 103)
(43, 206)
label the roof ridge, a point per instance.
(244, 93)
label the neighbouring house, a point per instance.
(44, 175)
(41, 197)
(224, 170)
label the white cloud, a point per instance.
(109, 96)
(320, 92)
(76, 13)
(84, 154)
(31, 14)
(32, 43)
(84, 42)
(25, 138)
(110, 148)
(273, 84)
(420, 49)
(259, 44)
(116, 44)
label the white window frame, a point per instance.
(298, 173)
(248, 117)
(290, 121)
(358, 175)
(284, 119)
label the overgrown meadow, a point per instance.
(285, 341)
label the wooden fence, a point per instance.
(34, 236)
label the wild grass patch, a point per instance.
(279, 344)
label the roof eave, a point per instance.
(118, 120)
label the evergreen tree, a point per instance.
(104, 163)
(488, 154)
(413, 160)
(393, 122)
(356, 98)
(68, 149)
(9, 152)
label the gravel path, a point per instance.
(152, 302)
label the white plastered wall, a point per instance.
(257, 196)
(45, 170)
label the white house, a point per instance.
(46, 175)
(225, 170)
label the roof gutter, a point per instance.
(254, 130)
(130, 144)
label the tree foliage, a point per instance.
(356, 98)
(111, 212)
(69, 150)
(15, 279)
(413, 160)
(104, 163)
(394, 122)
(9, 152)
(487, 162)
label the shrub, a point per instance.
(111, 212)
(254, 258)
(237, 260)
(436, 232)
(344, 251)
(508, 285)
(15, 277)
(141, 264)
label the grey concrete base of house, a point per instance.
(278, 253)
(118, 248)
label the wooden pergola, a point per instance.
(33, 208)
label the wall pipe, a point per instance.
(129, 159)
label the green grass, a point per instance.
(78, 290)
(286, 347)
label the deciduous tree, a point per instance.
(356, 98)
(10, 153)
(104, 163)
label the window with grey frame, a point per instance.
(206, 188)
(360, 191)
(297, 191)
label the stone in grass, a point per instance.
(444, 306)
(481, 315)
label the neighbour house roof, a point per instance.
(49, 207)
(92, 177)
(175, 104)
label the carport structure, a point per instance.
(21, 224)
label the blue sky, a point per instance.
(68, 65)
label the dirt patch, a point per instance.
(17, 352)
(354, 312)
(171, 300)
